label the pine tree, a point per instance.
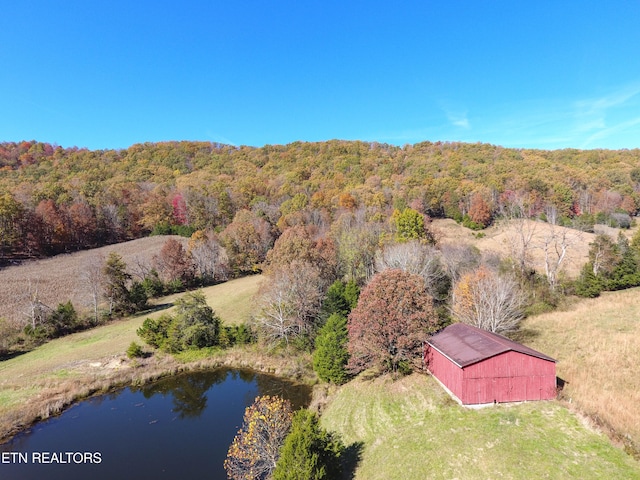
(309, 452)
(331, 356)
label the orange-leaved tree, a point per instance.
(488, 300)
(255, 450)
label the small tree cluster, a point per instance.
(612, 266)
(309, 452)
(255, 450)
(125, 297)
(194, 325)
(54, 323)
(417, 258)
(289, 302)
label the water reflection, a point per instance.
(188, 392)
(177, 427)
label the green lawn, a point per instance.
(410, 429)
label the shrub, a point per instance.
(135, 351)
(194, 325)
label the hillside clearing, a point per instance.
(410, 428)
(596, 343)
(60, 278)
(495, 239)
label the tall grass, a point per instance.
(597, 345)
(60, 278)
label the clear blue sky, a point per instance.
(107, 74)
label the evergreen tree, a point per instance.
(588, 284)
(115, 271)
(331, 356)
(625, 273)
(351, 294)
(335, 301)
(309, 452)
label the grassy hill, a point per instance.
(60, 278)
(596, 343)
(411, 429)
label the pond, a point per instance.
(177, 427)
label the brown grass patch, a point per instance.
(596, 343)
(495, 240)
(59, 279)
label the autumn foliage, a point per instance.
(255, 450)
(393, 318)
(488, 300)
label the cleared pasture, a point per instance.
(410, 428)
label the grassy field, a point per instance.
(410, 429)
(597, 345)
(495, 239)
(233, 300)
(60, 278)
(47, 378)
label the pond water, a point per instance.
(177, 427)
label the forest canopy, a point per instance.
(55, 199)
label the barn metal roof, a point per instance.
(465, 345)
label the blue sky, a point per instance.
(535, 74)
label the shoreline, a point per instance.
(118, 371)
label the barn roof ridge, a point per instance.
(465, 345)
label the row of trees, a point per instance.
(54, 199)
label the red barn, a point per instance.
(478, 366)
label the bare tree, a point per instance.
(458, 259)
(92, 278)
(290, 301)
(413, 257)
(140, 268)
(555, 245)
(35, 312)
(487, 300)
(209, 257)
(519, 231)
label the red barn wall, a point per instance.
(445, 370)
(509, 377)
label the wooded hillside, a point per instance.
(55, 199)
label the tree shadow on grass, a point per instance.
(351, 459)
(161, 306)
(524, 335)
(12, 354)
